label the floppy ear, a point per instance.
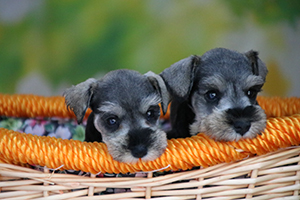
(179, 77)
(159, 84)
(78, 97)
(258, 67)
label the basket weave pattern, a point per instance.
(270, 175)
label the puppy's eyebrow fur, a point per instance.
(216, 82)
(253, 80)
(151, 100)
(111, 107)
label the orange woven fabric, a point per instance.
(24, 105)
(278, 106)
(18, 148)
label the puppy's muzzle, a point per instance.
(139, 140)
(240, 118)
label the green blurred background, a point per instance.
(48, 45)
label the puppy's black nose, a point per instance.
(139, 151)
(139, 140)
(241, 126)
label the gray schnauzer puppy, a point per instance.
(216, 94)
(125, 113)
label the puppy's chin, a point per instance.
(121, 153)
(217, 127)
(126, 157)
(158, 147)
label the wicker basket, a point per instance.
(275, 175)
(272, 176)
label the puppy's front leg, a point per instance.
(181, 118)
(91, 133)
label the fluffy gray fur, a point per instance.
(125, 113)
(216, 94)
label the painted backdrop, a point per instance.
(47, 45)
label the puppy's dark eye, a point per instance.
(153, 113)
(212, 95)
(253, 91)
(111, 121)
(150, 114)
